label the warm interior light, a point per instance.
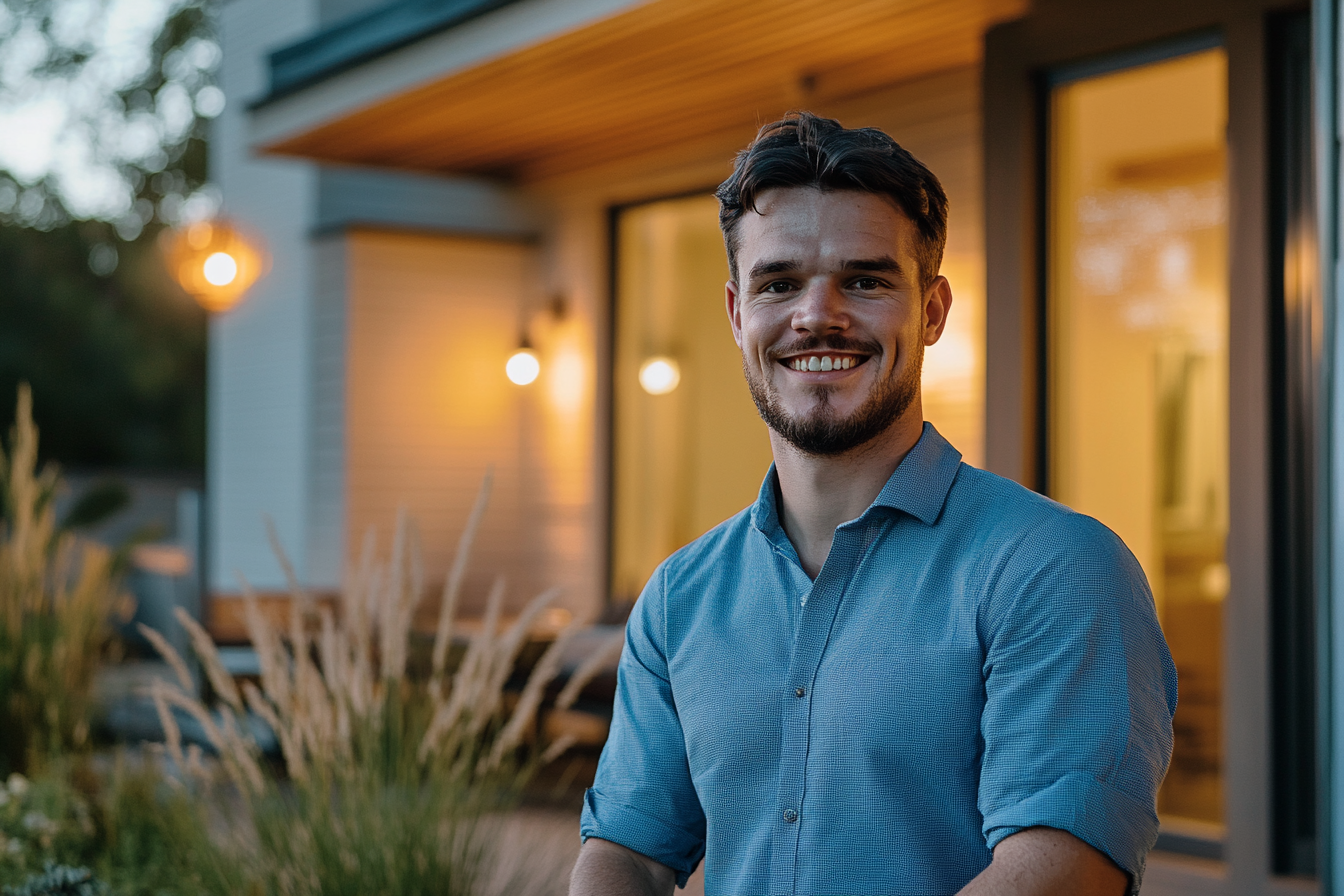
(522, 366)
(659, 375)
(220, 269)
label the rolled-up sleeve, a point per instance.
(1080, 691)
(643, 797)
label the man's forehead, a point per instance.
(847, 223)
(772, 199)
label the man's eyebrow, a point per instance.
(881, 264)
(765, 268)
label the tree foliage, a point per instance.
(116, 363)
(104, 107)
(104, 104)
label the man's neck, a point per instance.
(817, 494)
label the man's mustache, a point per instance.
(816, 343)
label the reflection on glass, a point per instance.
(687, 454)
(1138, 364)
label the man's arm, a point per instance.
(1046, 862)
(1080, 691)
(609, 869)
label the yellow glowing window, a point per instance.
(1138, 364)
(689, 450)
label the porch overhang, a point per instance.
(537, 88)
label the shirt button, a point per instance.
(798, 692)
(790, 815)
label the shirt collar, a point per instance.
(919, 485)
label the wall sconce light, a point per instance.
(214, 262)
(523, 366)
(659, 375)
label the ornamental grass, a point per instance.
(392, 782)
(57, 591)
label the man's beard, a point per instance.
(820, 432)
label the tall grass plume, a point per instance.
(394, 782)
(57, 591)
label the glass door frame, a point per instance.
(1018, 56)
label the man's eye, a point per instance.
(867, 283)
(777, 286)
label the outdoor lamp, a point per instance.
(214, 262)
(523, 366)
(659, 375)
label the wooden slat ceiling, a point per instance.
(665, 71)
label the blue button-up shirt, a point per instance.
(972, 660)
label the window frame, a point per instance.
(1019, 55)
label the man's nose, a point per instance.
(821, 309)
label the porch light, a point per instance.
(220, 269)
(214, 262)
(522, 367)
(659, 375)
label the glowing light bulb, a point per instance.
(214, 261)
(659, 375)
(220, 269)
(522, 366)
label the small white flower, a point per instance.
(36, 821)
(17, 784)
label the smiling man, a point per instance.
(894, 673)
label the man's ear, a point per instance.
(731, 296)
(937, 304)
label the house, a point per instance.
(1142, 248)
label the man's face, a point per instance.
(829, 315)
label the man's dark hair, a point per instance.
(805, 150)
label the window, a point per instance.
(688, 457)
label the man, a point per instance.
(895, 673)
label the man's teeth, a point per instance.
(823, 363)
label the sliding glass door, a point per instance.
(1137, 385)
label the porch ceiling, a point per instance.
(666, 70)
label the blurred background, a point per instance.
(288, 274)
(104, 109)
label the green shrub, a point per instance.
(133, 826)
(41, 822)
(59, 880)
